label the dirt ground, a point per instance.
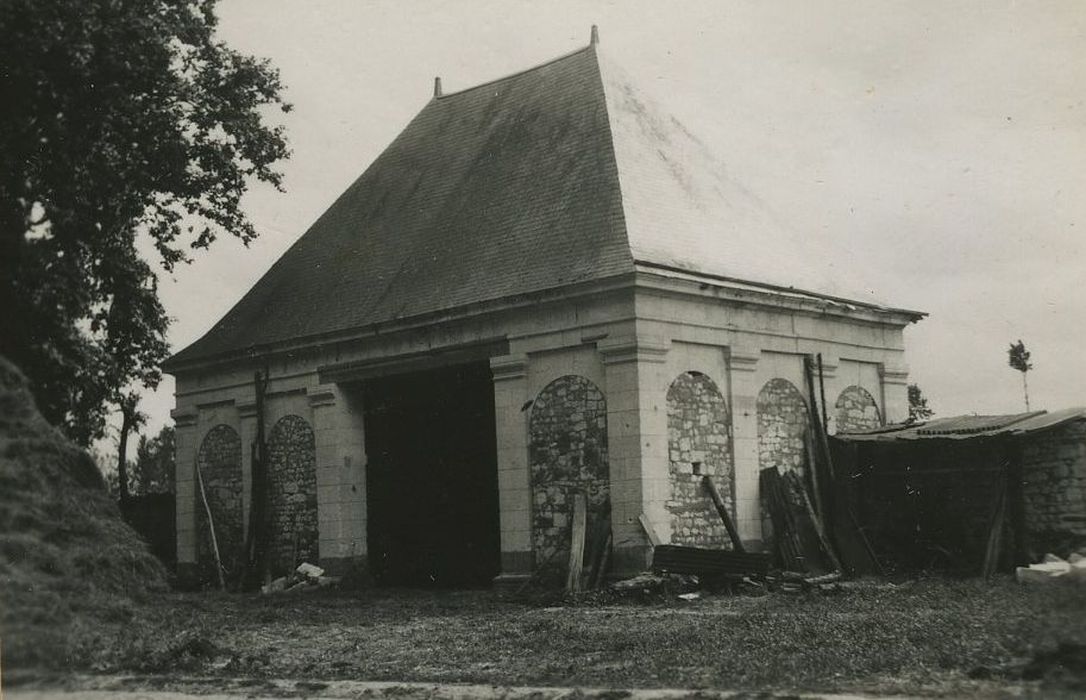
(928, 637)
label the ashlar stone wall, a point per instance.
(219, 461)
(782, 423)
(1054, 488)
(292, 475)
(857, 410)
(568, 454)
(699, 443)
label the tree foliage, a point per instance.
(1018, 358)
(918, 405)
(154, 468)
(124, 125)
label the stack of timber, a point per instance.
(673, 559)
(713, 563)
(598, 553)
(815, 530)
(576, 548)
(786, 540)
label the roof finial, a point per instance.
(595, 36)
(437, 86)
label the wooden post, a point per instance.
(576, 545)
(994, 544)
(599, 571)
(822, 393)
(816, 487)
(820, 531)
(256, 542)
(650, 531)
(722, 511)
(210, 527)
(825, 498)
(1016, 505)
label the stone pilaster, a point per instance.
(341, 476)
(247, 431)
(833, 385)
(186, 442)
(637, 381)
(743, 379)
(514, 490)
(895, 392)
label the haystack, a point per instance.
(67, 560)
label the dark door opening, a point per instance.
(432, 477)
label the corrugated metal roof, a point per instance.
(968, 427)
(972, 425)
(556, 175)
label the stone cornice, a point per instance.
(829, 366)
(687, 284)
(743, 360)
(894, 375)
(641, 348)
(322, 398)
(182, 418)
(285, 392)
(215, 404)
(593, 289)
(509, 367)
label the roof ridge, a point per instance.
(515, 74)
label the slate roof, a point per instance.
(555, 175)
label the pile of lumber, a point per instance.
(674, 559)
(815, 531)
(736, 563)
(598, 543)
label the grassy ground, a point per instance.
(929, 637)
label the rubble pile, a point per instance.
(306, 577)
(1053, 568)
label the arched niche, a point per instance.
(782, 423)
(699, 444)
(567, 454)
(856, 410)
(219, 462)
(292, 477)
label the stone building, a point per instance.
(544, 285)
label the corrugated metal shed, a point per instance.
(968, 427)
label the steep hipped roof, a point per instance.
(556, 175)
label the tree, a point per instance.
(154, 468)
(1018, 358)
(131, 419)
(918, 405)
(124, 125)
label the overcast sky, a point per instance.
(944, 143)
